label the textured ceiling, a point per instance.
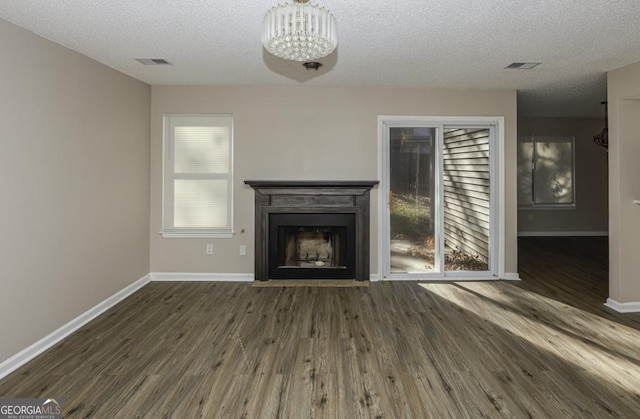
(412, 43)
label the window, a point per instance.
(546, 172)
(197, 176)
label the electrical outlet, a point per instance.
(209, 248)
(243, 250)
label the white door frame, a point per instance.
(497, 224)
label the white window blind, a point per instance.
(546, 172)
(198, 175)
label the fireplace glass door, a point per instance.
(312, 246)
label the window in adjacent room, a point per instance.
(546, 172)
(197, 176)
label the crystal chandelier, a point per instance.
(299, 31)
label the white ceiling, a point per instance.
(412, 43)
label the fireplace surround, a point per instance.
(311, 229)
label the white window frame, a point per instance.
(546, 139)
(168, 178)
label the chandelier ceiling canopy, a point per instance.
(299, 31)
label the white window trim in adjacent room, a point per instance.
(532, 205)
(203, 163)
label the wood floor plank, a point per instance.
(543, 347)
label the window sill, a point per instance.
(175, 235)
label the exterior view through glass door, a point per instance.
(440, 199)
(411, 199)
(466, 199)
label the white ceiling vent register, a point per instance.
(522, 66)
(153, 61)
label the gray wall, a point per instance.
(74, 185)
(590, 215)
(306, 133)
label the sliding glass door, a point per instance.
(439, 199)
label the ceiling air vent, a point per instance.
(153, 61)
(522, 66)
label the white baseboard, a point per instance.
(196, 276)
(633, 307)
(27, 354)
(562, 233)
(511, 276)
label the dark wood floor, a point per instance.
(544, 347)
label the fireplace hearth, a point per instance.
(311, 229)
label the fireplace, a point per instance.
(311, 229)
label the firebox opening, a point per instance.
(312, 246)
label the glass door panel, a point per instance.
(412, 221)
(466, 198)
